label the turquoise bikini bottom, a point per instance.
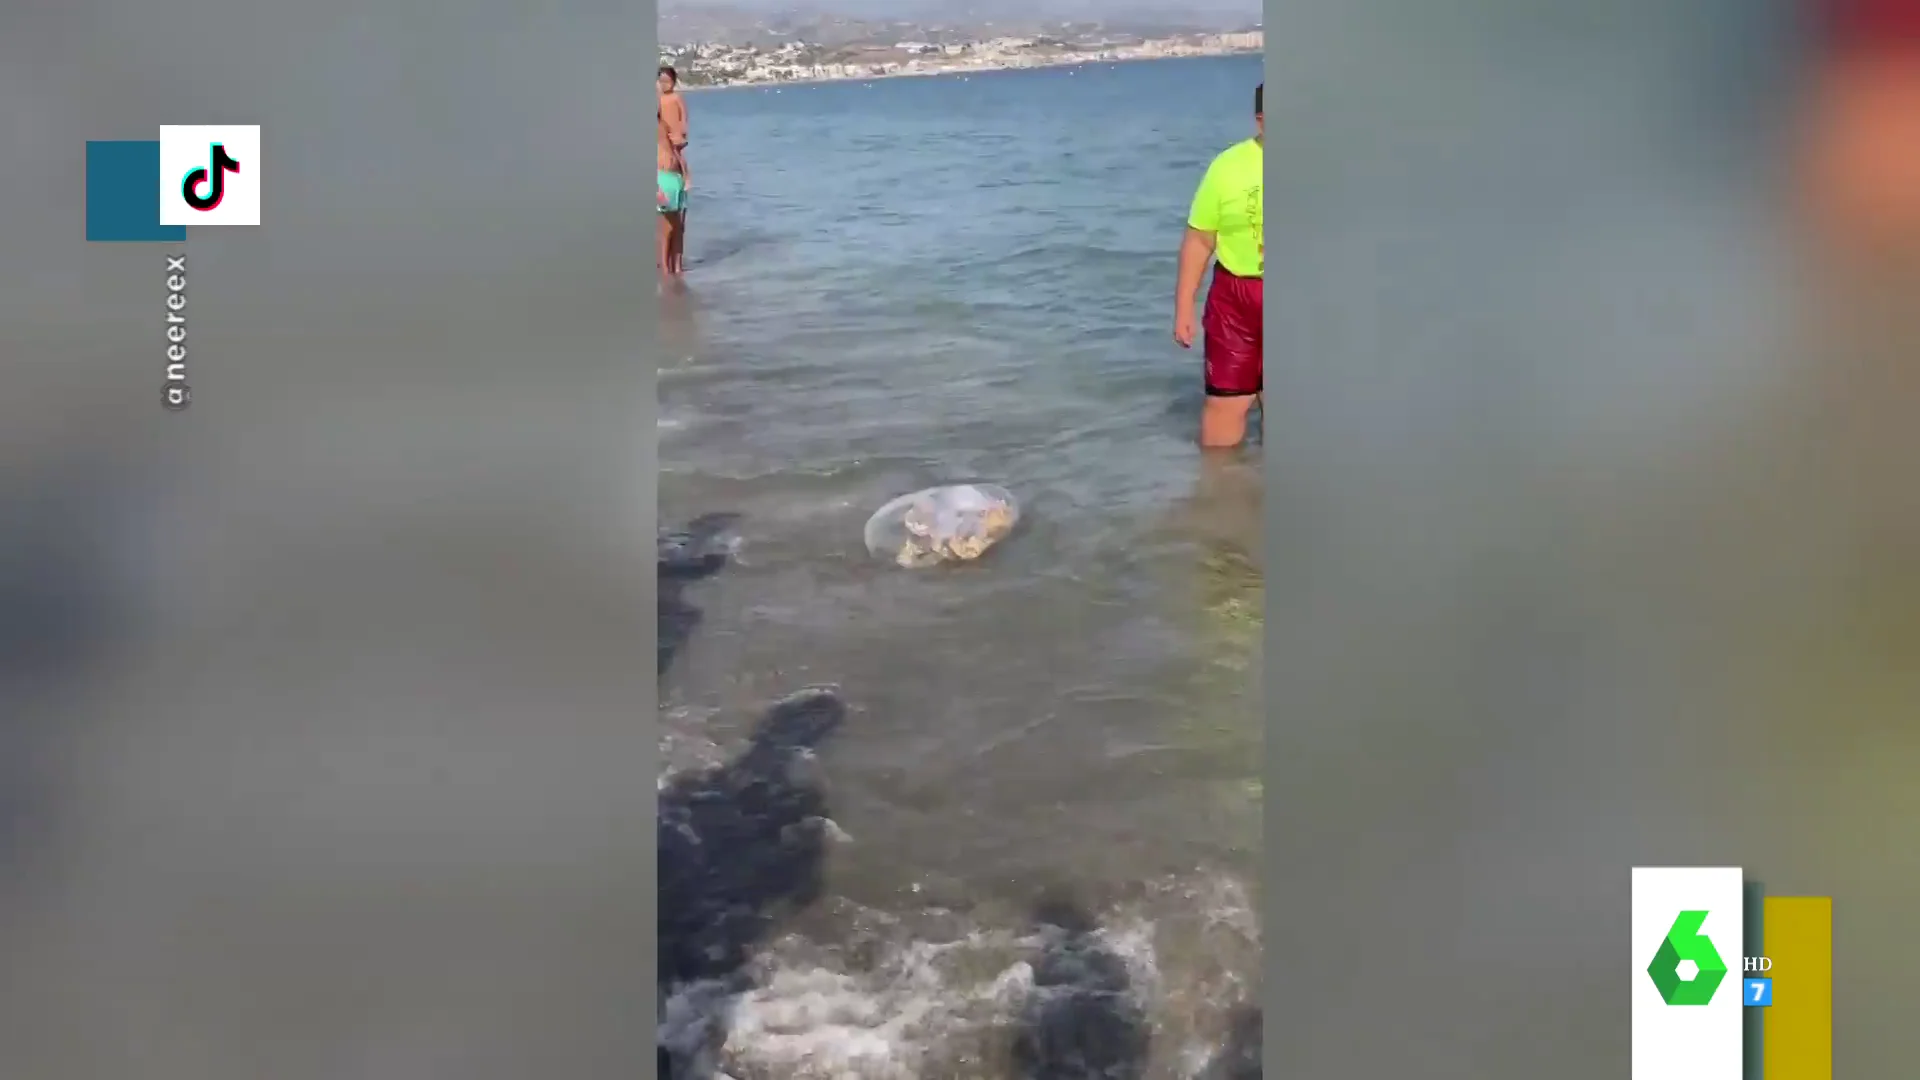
(673, 192)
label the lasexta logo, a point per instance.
(214, 176)
(1686, 945)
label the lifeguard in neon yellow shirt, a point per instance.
(1226, 226)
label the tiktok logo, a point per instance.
(210, 175)
(214, 176)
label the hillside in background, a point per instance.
(831, 22)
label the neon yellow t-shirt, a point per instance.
(1229, 206)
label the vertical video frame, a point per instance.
(961, 596)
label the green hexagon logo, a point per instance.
(1685, 944)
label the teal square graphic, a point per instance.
(1759, 993)
(123, 194)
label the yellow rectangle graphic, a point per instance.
(1798, 1027)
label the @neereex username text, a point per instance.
(175, 392)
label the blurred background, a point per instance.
(1592, 518)
(325, 731)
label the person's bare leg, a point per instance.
(680, 242)
(663, 244)
(676, 227)
(1223, 420)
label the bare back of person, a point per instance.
(673, 120)
(671, 178)
(673, 110)
(666, 157)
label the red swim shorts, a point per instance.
(1233, 325)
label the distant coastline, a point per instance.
(985, 67)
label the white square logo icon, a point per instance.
(210, 175)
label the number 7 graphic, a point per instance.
(1759, 992)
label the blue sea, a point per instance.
(912, 281)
